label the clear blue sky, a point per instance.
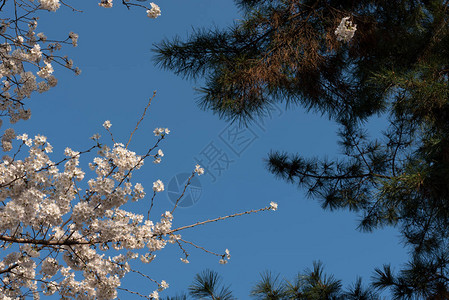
(117, 78)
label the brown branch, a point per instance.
(65, 242)
(73, 9)
(342, 177)
(183, 192)
(202, 248)
(141, 118)
(9, 268)
(218, 219)
(152, 203)
(135, 293)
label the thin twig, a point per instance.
(186, 254)
(144, 275)
(151, 206)
(112, 137)
(141, 118)
(183, 192)
(74, 9)
(135, 293)
(219, 219)
(202, 248)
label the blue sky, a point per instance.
(118, 76)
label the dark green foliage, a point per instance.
(319, 285)
(313, 284)
(358, 292)
(207, 285)
(177, 297)
(396, 66)
(268, 288)
(282, 51)
(419, 280)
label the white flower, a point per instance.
(105, 3)
(138, 188)
(35, 53)
(107, 124)
(96, 136)
(9, 134)
(158, 186)
(345, 31)
(69, 63)
(30, 250)
(154, 12)
(154, 295)
(50, 5)
(48, 148)
(273, 205)
(52, 81)
(184, 260)
(6, 146)
(74, 37)
(147, 258)
(49, 267)
(40, 140)
(157, 131)
(163, 286)
(22, 137)
(160, 153)
(42, 36)
(43, 87)
(161, 131)
(199, 170)
(6, 85)
(223, 261)
(228, 254)
(157, 160)
(46, 71)
(50, 288)
(32, 25)
(70, 153)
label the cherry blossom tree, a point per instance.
(64, 229)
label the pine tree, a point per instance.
(312, 284)
(207, 285)
(396, 66)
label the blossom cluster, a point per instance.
(199, 170)
(225, 257)
(345, 30)
(154, 12)
(50, 5)
(161, 131)
(55, 229)
(47, 212)
(27, 57)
